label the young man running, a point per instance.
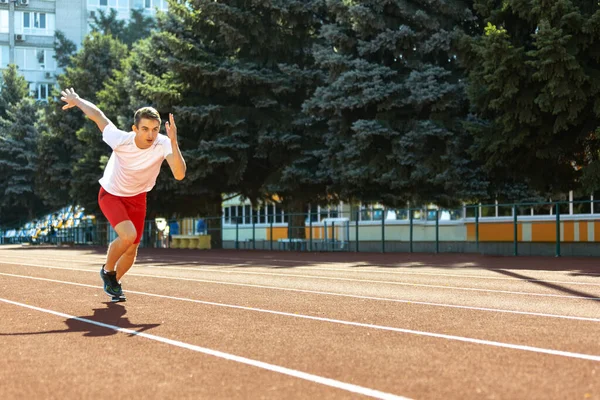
(131, 172)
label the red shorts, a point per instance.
(117, 209)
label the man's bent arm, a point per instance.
(176, 162)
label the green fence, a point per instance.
(548, 228)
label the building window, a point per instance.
(103, 3)
(41, 91)
(3, 21)
(34, 20)
(41, 56)
(148, 3)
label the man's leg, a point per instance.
(118, 247)
(126, 260)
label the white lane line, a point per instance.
(362, 325)
(569, 317)
(369, 271)
(348, 267)
(227, 356)
(229, 272)
(459, 265)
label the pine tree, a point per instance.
(18, 149)
(137, 27)
(395, 101)
(235, 74)
(14, 89)
(63, 49)
(533, 74)
(108, 24)
(19, 198)
(76, 152)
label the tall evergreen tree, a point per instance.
(108, 24)
(18, 149)
(533, 75)
(129, 31)
(14, 88)
(63, 49)
(235, 74)
(138, 27)
(19, 198)
(77, 152)
(394, 102)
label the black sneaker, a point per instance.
(111, 286)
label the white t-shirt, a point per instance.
(131, 170)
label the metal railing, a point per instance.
(384, 230)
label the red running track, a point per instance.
(286, 325)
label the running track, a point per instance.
(285, 325)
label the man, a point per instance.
(131, 172)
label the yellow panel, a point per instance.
(596, 231)
(496, 232)
(543, 232)
(277, 233)
(568, 231)
(583, 231)
(470, 232)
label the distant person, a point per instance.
(52, 234)
(130, 173)
(200, 227)
(173, 229)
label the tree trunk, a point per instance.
(297, 219)
(214, 221)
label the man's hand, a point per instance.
(171, 128)
(89, 109)
(70, 97)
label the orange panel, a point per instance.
(470, 232)
(568, 231)
(543, 232)
(583, 231)
(497, 232)
(277, 233)
(596, 231)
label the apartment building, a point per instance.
(27, 30)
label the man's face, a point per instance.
(146, 132)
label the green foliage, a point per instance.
(63, 49)
(14, 89)
(394, 102)
(533, 73)
(75, 147)
(235, 79)
(137, 27)
(19, 135)
(108, 24)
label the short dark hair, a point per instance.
(146, 112)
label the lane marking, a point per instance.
(562, 296)
(377, 281)
(570, 317)
(227, 356)
(350, 268)
(364, 325)
(353, 269)
(407, 264)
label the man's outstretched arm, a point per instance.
(89, 109)
(175, 160)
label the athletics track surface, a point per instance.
(285, 325)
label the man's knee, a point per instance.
(128, 238)
(132, 250)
